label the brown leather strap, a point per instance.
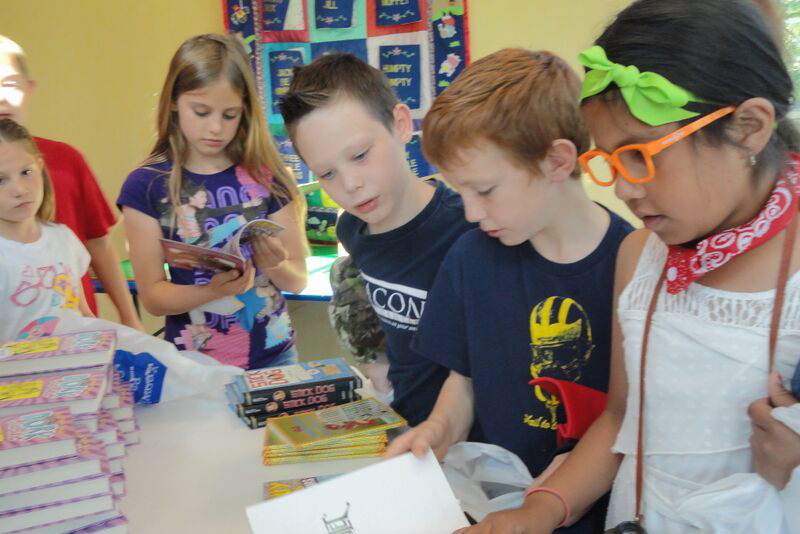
(780, 290)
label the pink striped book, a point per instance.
(90, 461)
(53, 513)
(37, 436)
(55, 493)
(76, 524)
(114, 526)
(80, 390)
(67, 351)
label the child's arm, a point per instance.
(589, 470)
(776, 448)
(283, 258)
(159, 296)
(83, 305)
(105, 265)
(448, 423)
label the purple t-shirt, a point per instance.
(250, 330)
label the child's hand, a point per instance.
(517, 521)
(268, 252)
(230, 283)
(775, 447)
(430, 434)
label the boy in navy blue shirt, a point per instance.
(529, 294)
(348, 126)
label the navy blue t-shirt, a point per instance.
(399, 267)
(250, 330)
(503, 315)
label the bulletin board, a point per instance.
(420, 45)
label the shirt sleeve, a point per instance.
(97, 216)
(138, 191)
(77, 251)
(442, 332)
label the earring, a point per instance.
(753, 160)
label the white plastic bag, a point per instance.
(156, 369)
(485, 478)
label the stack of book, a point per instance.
(260, 394)
(61, 449)
(353, 430)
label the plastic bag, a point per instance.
(156, 369)
(485, 478)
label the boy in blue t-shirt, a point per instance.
(529, 294)
(348, 126)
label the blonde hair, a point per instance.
(15, 52)
(518, 99)
(11, 132)
(199, 62)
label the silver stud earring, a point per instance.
(753, 160)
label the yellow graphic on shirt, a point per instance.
(64, 286)
(561, 343)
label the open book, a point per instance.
(233, 255)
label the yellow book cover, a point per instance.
(303, 459)
(335, 423)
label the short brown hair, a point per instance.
(518, 99)
(331, 76)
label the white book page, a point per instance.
(402, 495)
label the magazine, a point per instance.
(234, 255)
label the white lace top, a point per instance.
(707, 360)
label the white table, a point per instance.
(198, 466)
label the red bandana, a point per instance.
(685, 265)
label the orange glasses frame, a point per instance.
(647, 149)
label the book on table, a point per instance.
(54, 513)
(89, 461)
(396, 496)
(37, 436)
(55, 353)
(279, 488)
(80, 390)
(295, 381)
(233, 255)
(339, 422)
(77, 524)
(55, 493)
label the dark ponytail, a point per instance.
(722, 51)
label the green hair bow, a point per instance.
(650, 97)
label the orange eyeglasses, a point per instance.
(635, 162)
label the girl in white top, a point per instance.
(41, 262)
(717, 209)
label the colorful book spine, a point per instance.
(90, 460)
(293, 381)
(331, 424)
(324, 394)
(66, 344)
(49, 388)
(279, 488)
(18, 431)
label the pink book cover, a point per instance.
(89, 450)
(67, 351)
(99, 528)
(34, 427)
(38, 516)
(107, 427)
(48, 388)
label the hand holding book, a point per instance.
(268, 252)
(233, 282)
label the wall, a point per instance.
(99, 65)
